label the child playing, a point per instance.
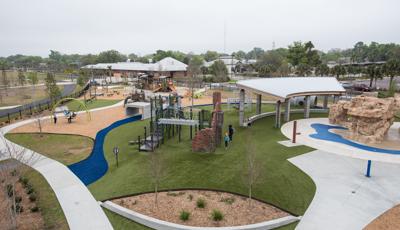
(226, 140)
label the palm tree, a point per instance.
(391, 69)
(371, 72)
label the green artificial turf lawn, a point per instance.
(120, 222)
(50, 209)
(46, 200)
(67, 149)
(281, 183)
(76, 106)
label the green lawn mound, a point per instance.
(65, 148)
(281, 183)
(98, 103)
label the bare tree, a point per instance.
(157, 172)
(252, 170)
(39, 123)
(9, 174)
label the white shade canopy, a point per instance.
(166, 64)
(287, 87)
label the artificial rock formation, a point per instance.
(367, 118)
(208, 139)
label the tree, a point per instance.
(21, 78)
(51, 87)
(322, 70)
(338, 70)
(33, 79)
(303, 57)
(219, 70)
(161, 54)
(157, 172)
(4, 80)
(240, 55)
(110, 56)
(82, 78)
(9, 174)
(273, 63)
(252, 170)
(132, 57)
(373, 72)
(211, 55)
(194, 68)
(391, 69)
(255, 53)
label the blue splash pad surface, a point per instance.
(95, 166)
(324, 134)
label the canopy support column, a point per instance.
(287, 110)
(278, 114)
(258, 105)
(307, 107)
(241, 107)
(326, 101)
(335, 98)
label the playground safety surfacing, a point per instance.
(319, 134)
(95, 166)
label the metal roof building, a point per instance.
(167, 64)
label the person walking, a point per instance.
(231, 130)
(226, 140)
(55, 118)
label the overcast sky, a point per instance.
(142, 26)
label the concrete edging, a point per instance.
(268, 114)
(164, 225)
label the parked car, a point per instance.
(362, 88)
(347, 85)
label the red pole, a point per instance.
(294, 131)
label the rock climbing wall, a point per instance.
(206, 140)
(367, 118)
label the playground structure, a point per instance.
(207, 140)
(167, 116)
(68, 113)
(135, 97)
(156, 84)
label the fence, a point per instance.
(37, 107)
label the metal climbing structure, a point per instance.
(168, 116)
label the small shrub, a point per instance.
(18, 208)
(18, 199)
(35, 209)
(190, 197)
(24, 181)
(29, 190)
(228, 200)
(14, 172)
(10, 190)
(217, 215)
(32, 197)
(201, 203)
(184, 215)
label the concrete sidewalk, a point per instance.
(79, 206)
(345, 198)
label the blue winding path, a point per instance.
(324, 134)
(95, 166)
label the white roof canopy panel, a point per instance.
(287, 87)
(166, 64)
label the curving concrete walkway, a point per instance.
(345, 198)
(80, 208)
